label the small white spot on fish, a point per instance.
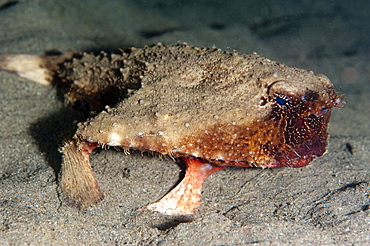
(114, 139)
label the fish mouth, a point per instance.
(299, 157)
(305, 138)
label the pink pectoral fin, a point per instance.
(184, 199)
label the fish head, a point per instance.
(300, 111)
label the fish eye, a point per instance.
(282, 100)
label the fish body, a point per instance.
(208, 107)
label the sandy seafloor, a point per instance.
(324, 203)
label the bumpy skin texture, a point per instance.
(91, 82)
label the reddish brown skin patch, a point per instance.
(291, 136)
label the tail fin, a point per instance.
(32, 67)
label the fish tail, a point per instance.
(31, 67)
(37, 68)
